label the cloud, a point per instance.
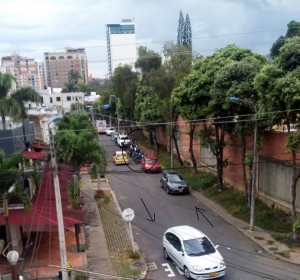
(33, 27)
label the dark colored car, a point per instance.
(150, 164)
(173, 182)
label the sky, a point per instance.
(32, 27)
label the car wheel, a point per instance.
(161, 185)
(166, 255)
(187, 274)
(168, 191)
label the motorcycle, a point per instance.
(137, 158)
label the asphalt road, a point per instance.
(155, 211)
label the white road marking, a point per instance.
(168, 269)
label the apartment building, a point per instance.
(24, 69)
(121, 44)
(58, 65)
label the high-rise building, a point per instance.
(58, 65)
(24, 69)
(42, 75)
(121, 44)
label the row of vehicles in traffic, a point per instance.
(171, 181)
(189, 248)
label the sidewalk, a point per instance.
(106, 236)
(263, 238)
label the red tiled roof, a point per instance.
(35, 155)
(42, 216)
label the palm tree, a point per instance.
(73, 77)
(7, 108)
(20, 97)
(9, 176)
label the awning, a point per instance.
(35, 155)
(42, 216)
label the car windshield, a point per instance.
(175, 178)
(198, 247)
(124, 137)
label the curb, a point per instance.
(241, 226)
(143, 268)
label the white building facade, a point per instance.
(121, 44)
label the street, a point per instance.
(155, 211)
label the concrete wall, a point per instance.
(274, 177)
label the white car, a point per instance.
(123, 140)
(109, 131)
(193, 252)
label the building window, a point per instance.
(51, 101)
(68, 98)
(58, 98)
(61, 57)
(52, 58)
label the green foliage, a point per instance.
(135, 255)
(147, 60)
(148, 107)
(125, 84)
(74, 192)
(187, 35)
(76, 142)
(293, 143)
(9, 170)
(202, 180)
(296, 227)
(73, 79)
(289, 58)
(293, 30)
(180, 29)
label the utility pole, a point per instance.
(254, 160)
(254, 170)
(60, 221)
(171, 138)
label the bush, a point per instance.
(134, 255)
(202, 180)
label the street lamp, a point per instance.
(13, 258)
(254, 161)
(60, 221)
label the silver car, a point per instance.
(173, 182)
(193, 253)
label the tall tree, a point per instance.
(180, 29)
(293, 30)
(76, 142)
(125, 84)
(236, 79)
(23, 96)
(187, 35)
(7, 108)
(279, 87)
(147, 60)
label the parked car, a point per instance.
(109, 130)
(193, 252)
(120, 157)
(123, 140)
(173, 182)
(114, 136)
(150, 164)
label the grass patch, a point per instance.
(287, 240)
(128, 257)
(105, 199)
(284, 254)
